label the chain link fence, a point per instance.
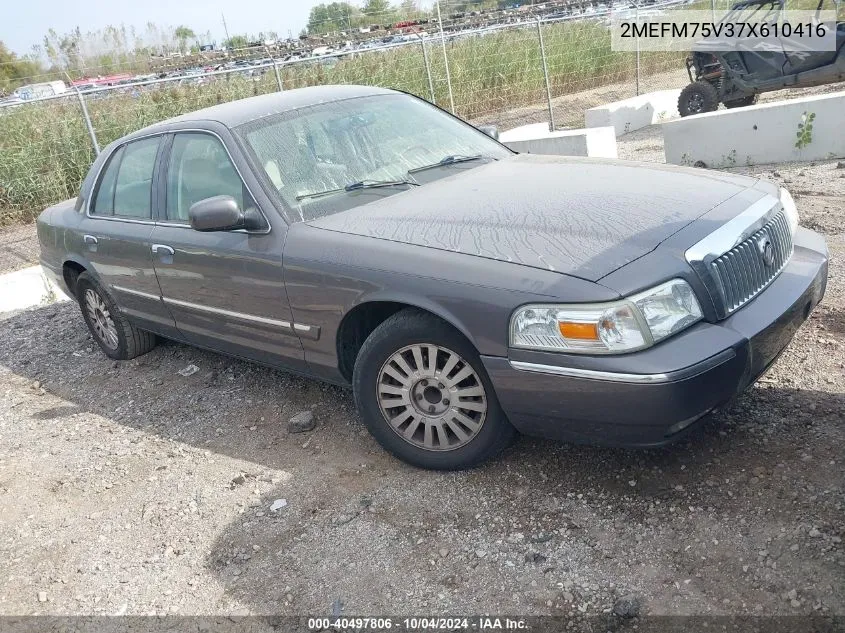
(530, 70)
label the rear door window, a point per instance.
(125, 188)
(134, 184)
(104, 198)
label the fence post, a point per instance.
(445, 59)
(427, 70)
(637, 22)
(276, 70)
(546, 75)
(87, 116)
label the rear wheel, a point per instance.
(115, 335)
(423, 393)
(698, 97)
(741, 103)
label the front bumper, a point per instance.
(651, 397)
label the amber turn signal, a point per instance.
(579, 331)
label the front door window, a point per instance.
(200, 168)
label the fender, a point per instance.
(84, 262)
(59, 275)
(415, 301)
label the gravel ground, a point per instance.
(127, 488)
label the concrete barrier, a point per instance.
(599, 142)
(635, 113)
(27, 288)
(765, 133)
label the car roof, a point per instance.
(235, 113)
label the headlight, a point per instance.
(608, 328)
(668, 308)
(789, 209)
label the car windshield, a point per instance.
(320, 159)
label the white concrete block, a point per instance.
(635, 113)
(599, 142)
(525, 132)
(27, 288)
(765, 133)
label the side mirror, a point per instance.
(490, 130)
(222, 213)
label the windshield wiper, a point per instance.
(361, 184)
(449, 160)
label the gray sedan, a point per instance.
(364, 237)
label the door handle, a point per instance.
(91, 242)
(164, 252)
(162, 248)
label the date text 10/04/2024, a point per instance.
(482, 623)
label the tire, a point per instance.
(445, 435)
(741, 103)
(122, 340)
(698, 97)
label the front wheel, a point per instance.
(423, 393)
(698, 97)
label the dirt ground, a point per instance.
(126, 488)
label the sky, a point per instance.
(30, 19)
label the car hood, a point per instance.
(583, 217)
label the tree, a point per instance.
(113, 49)
(335, 16)
(378, 10)
(268, 36)
(51, 48)
(318, 19)
(183, 34)
(409, 10)
(65, 51)
(237, 41)
(16, 71)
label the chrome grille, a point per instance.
(743, 272)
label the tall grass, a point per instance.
(45, 150)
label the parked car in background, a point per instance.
(41, 90)
(365, 237)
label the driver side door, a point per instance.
(225, 289)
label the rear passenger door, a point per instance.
(116, 232)
(224, 288)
